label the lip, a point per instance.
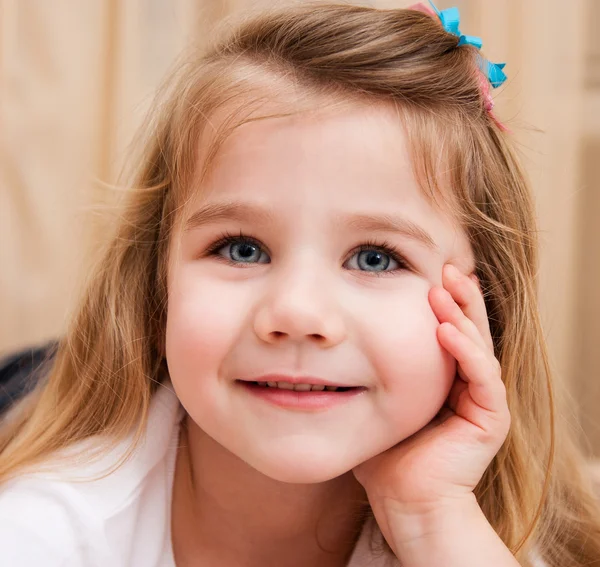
(298, 380)
(302, 401)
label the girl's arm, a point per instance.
(458, 535)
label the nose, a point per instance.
(298, 306)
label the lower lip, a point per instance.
(292, 399)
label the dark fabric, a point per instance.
(20, 372)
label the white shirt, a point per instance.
(122, 520)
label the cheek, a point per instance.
(204, 319)
(415, 373)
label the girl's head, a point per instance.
(319, 200)
(330, 279)
(304, 181)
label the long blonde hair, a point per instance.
(535, 492)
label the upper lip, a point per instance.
(297, 380)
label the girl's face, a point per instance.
(329, 279)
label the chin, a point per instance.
(305, 476)
(300, 468)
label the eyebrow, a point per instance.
(390, 223)
(215, 212)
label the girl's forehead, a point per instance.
(357, 146)
(369, 126)
(365, 140)
(325, 166)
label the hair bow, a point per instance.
(450, 19)
(491, 73)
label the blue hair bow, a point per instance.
(450, 19)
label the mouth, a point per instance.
(300, 388)
(301, 397)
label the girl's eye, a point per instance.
(374, 259)
(239, 250)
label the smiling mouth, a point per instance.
(301, 388)
(305, 399)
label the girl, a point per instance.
(314, 338)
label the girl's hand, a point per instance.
(441, 464)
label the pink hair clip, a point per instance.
(422, 8)
(489, 102)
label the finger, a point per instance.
(469, 298)
(447, 310)
(480, 369)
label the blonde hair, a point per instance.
(108, 365)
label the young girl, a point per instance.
(314, 339)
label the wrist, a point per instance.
(452, 533)
(427, 534)
(419, 521)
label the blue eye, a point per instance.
(374, 259)
(239, 250)
(244, 252)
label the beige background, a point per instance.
(76, 78)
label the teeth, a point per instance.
(298, 387)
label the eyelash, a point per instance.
(381, 246)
